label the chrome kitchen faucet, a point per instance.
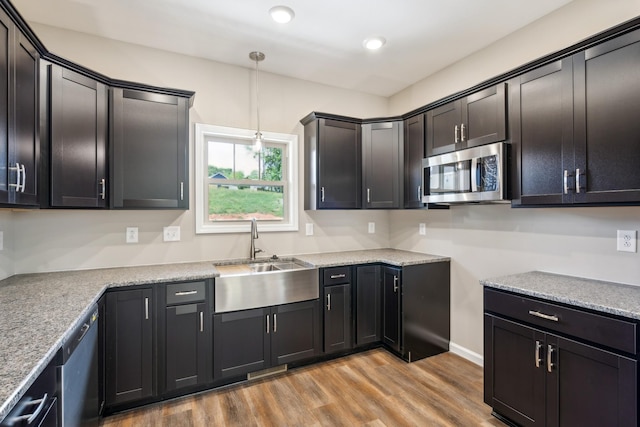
(254, 235)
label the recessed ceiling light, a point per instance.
(374, 43)
(281, 14)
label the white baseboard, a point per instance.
(464, 352)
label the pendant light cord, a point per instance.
(257, 97)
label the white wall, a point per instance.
(486, 241)
(49, 240)
(6, 254)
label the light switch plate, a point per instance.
(372, 227)
(132, 234)
(171, 233)
(309, 229)
(422, 229)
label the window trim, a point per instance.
(203, 226)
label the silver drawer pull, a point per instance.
(544, 316)
(338, 276)
(183, 293)
(30, 418)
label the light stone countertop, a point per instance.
(39, 311)
(607, 297)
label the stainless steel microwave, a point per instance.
(477, 174)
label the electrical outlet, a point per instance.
(309, 229)
(422, 229)
(1, 240)
(372, 227)
(132, 234)
(171, 233)
(626, 241)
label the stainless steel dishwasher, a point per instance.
(80, 404)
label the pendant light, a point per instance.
(257, 139)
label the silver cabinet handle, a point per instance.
(275, 323)
(24, 177)
(103, 188)
(578, 180)
(550, 364)
(328, 302)
(368, 195)
(455, 134)
(267, 323)
(419, 192)
(538, 358)
(146, 308)
(395, 284)
(566, 181)
(322, 194)
(19, 170)
(30, 418)
(462, 132)
(544, 316)
(183, 293)
(338, 276)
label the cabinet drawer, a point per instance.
(336, 275)
(183, 293)
(599, 329)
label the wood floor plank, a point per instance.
(373, 389)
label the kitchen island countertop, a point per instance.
(38, 311)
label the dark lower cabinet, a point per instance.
(391, 299)
(368, 304)
(535, 377)
(252, 340)
(337, 317)
(129, 359)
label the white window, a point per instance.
(234, 183)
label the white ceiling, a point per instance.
(322, 44)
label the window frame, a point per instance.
(204, 132)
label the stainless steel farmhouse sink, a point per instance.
(244, 285)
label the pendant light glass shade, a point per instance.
(257, 139)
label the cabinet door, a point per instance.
(607, 104)
(391, 297)
(368, 295)
(129, 346)
(187, 339)
(295, 333)
(241, 342)
(589, 386)
(25, 141)
(78, 132)
(413, 155)
(149, 164)
(443, 129)
(382, 155)
(337, 318)
(541, 119)
(339, 165)
(484, 117)
(514, 378)
(7, 177)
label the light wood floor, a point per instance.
(373, 388)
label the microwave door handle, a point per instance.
(474, 175)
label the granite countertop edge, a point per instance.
(158, 274)
(598, 295)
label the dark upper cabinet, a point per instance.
(382, 165)
(368, 304)
(149, 150)
(477, 119)
(391, 299)
(19, 118)
(73, 140)
(333, 163)
(574, 129)
(541, 118)
(129, 360)
(337, 317)
(413, 154)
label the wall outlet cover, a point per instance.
(627, 240)
(1, 240)
(132, 234)
(422, 229)
(372, 227)
(309, 229)
(171, 233)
